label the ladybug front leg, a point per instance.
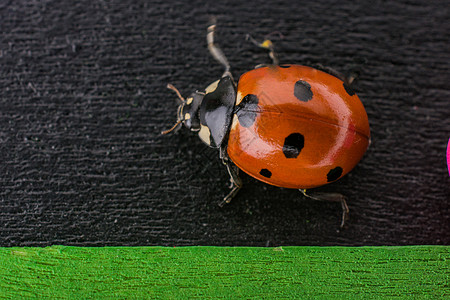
(266, 44)
(334, 197)
(216, 52)
(235, 180)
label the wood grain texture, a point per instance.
(221, 272)
(83, 101)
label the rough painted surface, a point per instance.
(83, 99)
(136, 272)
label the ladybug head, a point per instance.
(207, 112)
(187, 113)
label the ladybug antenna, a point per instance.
(171, 87)
(173, 127)
(180, 119)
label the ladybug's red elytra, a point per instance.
(290, 126)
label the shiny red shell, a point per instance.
(302, 129)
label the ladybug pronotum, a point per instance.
(290, 126)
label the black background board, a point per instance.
(84, 98)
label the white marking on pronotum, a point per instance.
(205, 134)
(212, 87)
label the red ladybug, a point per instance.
(290, 126)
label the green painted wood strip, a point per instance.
(215, 272)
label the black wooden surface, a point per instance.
(83, 100)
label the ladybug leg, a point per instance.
(236, 183)
(216, 52)
(348, 80)
(235, 180)
(266, 44)
(334, 197)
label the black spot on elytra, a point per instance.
(334, 174)
(285, 66)
(349, 89)
(247, 110)
(293, 144)
(302, 90)
(265, 173)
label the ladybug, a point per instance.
(290, 126)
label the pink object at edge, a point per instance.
(448, 157)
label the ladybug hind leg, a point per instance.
(235, 180)
(333, 197)
(347, 79)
